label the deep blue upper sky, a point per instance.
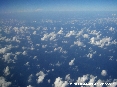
(57, 5)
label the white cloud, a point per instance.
(90, 55)
(82, 79)
(4, 83)
(49, 80)
(104, 73)
(59, 83)
(101, 42)
(30, 78)
(34, 32)
(79, 43)
(3, 50)
(72, 62)
(6, 71)
(27, 64)
(29, 86)
(68, 79)
(51, 36)
(70, 33)
(86, 36)
(41, 76)
(111, 29)
(7, 58)
(60, 31)
(24, 53)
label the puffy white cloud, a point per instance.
(49, 80)
(27, 64)
(90, 55)
(4, 83)
(41, 76)
(34, 32)
(50, 36)
(68, 79)
(7, 58)
(82, 79)
(70, 33)
(60, 50)
(3, 50)
(60, 31)
(6, 71)
(111, 29)
(104, 73)
(29, 86)
(30, 78)
(79, 43)
(72, 62)
(86, 36)
(100, 42)
(59, 83)
(24, 53)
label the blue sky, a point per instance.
(57, 5)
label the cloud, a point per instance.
(29, 86)
(30, 78)
(41, 76)
(6, 71)
(24, 53)
(90, 55)
(70, 33)
(59, 83)
(49, 80)
(68, 79)
(104, 73)
(72, 62)
(50, 36)
(100, 42)
(3, 50)
(34, 32)
(7, 58)
(83, 79)
(4, 83)
(79, 43)
(86, 36)
(60, 31)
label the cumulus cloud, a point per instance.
(4, 83)
(100, 42)
(72, 62)
(29, 86)
(79, 43)
(86, 36)
(104, 73)
(60, 83)
(3, 50)
(30, 78)
(7, 58)
(83, 79)
(41, 76)
(90, 55)
(70, 33)
(24, 53)
(60, 31)
(34, 32)
(51, 36)
(6, 71)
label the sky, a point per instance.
(57, 5)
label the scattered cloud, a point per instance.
(72, 62)
(60, 83)
(41, 76)
(6, 71)
(104, 73)
(4, 83)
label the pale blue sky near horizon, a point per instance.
(57, 5)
